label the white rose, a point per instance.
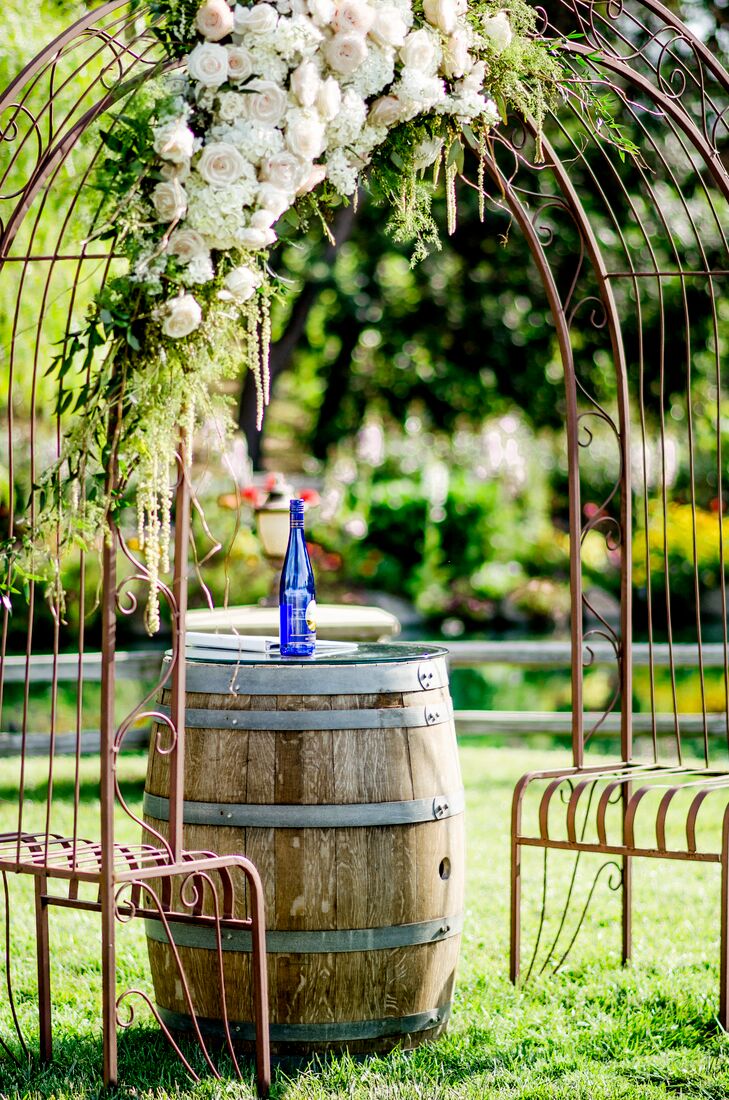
(389, 27)
(266, 103)
(231, 105)
(208, 64)
(345, 52)
(183, 316)
(305, 83)
(240, 284)
(274, 200)
(254, 238)
(474, 78)
(186, 244)
(497, 29)
(170, 171)
(285, 171)
(214, 20)
(456, 58)
(385, 111)
(260, 19)
(419, 51)
(353, 17)
(321, 11)
(441, 14)
(316, 176)
(239, 63)
(174, 141)
(305, 133)
(221, 164)
(329, 98)
(170, 201)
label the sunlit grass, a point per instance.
(595, 1031)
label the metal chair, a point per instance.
(49, 264)
(639, 326)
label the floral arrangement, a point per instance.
(270, 115)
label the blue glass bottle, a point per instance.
(297, 596)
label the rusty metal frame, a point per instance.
(47, 115)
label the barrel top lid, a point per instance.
(365, 653)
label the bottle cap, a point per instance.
(296, 507)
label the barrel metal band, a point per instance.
(322, 941)
(278, 679)
(383, 718)
(287, 816)
(332, 1031)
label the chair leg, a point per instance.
(627, 909)
(43, 957)
(724, 941)
(108, 990)
(515, 941)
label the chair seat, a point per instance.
(72, 857)
(659, 816)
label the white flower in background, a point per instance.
(347, 125)
(285, 171)
(427, 152)
(305, 133)
(254, 238)
(456, 57)
(208, 64)
(305, 83)
(497, 30)
(186, 245)
(214, 20)
(341, 173)
(316, 176)
(389, 27)
(265, 103)
(239, 63)
(231, 105)
(329, 98)
(321, 11)
(170, 201)
(441, 14)
(421, 51)
(199, 270)
(221, 164)
(240, 284)
(353, 17)
(385, 111)
(174, 141)
(260, 19)
(182, 316)
(345, 52)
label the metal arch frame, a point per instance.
(132, 881)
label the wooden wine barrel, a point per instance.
(340, 780)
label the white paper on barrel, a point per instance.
(223, 647)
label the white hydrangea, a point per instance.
(347, 124)
(341, 172)
(198, 270)
(267, 62)
(231, 105)
(377, 72)
(419, 92)
(253, 141)
(297, 38)
(220, 214)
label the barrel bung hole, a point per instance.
(444, 868)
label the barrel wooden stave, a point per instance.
(325, 878)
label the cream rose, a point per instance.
(221, 164)
(317, 175)
(305, 133)
(419, 51)
(208, 64)
(285, 171)
(170, 171)
(385, 111)
(441, 14)
(273, 200)
(329, 98)
(174, 141)
(170, 201)
(240, 284)
(266, 103)
(260, 19)
(187, 244)
(353, 17)
(321, 11)
(456, 58)
(183, 315)
(345, 52)
(214, 20)
(305, 83)
(239, 63)
(389, 28)
(255, 238)
(497, 30)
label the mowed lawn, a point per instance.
(595, 1030)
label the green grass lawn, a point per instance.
(594, 1031)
